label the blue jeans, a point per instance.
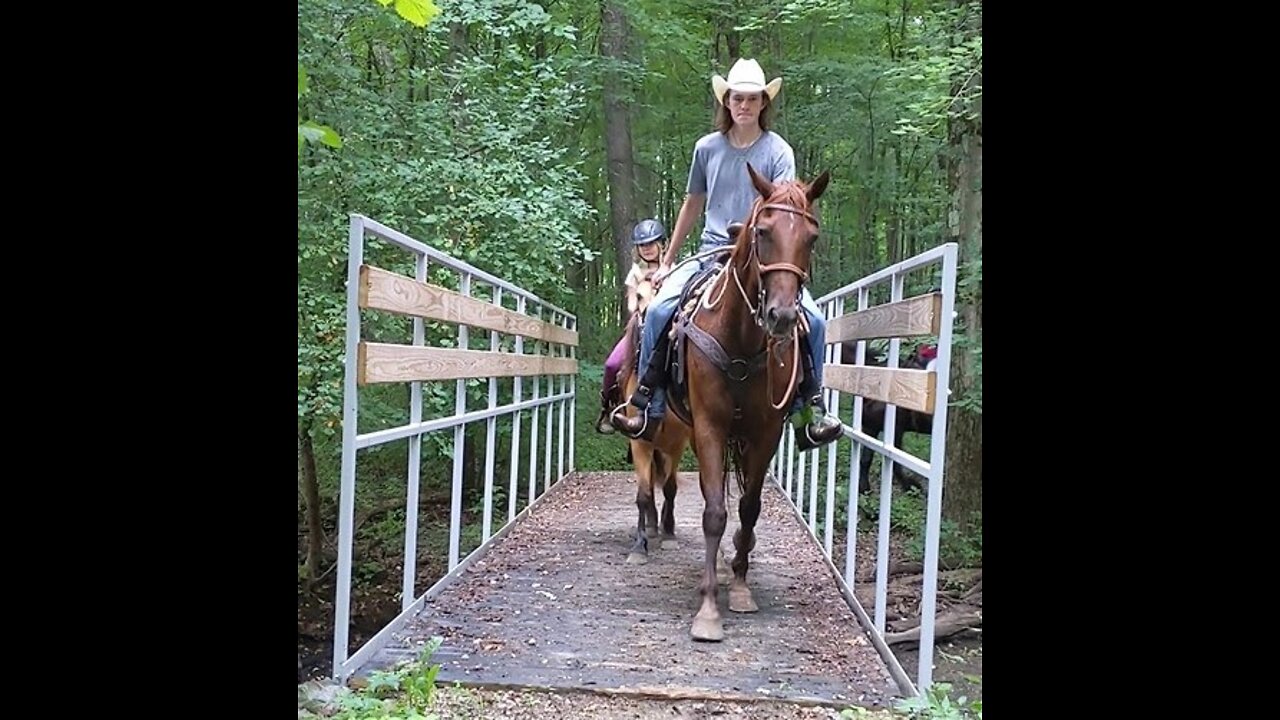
(664, 305)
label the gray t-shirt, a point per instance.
(722, 168)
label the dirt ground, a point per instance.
(532, 705)
(459, 703)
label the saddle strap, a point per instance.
(738, 369)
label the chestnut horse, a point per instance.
(655, 461)
(736, 390)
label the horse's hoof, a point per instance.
(670, 543)
(707, 629)
(637, 558)
(740, 600)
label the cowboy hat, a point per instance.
(745, 76)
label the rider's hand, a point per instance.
(663, 270)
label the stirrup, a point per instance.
(648, 426)
(806, 441)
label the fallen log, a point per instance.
(977, 588)
(955, 621)
(895, 568)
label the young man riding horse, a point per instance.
(718, 182)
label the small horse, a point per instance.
(873, 418)
(736, 391)
(656, 462)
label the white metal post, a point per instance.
(563, 410)
(415, 460)
(551, 408)
(515, 427)
(886, 473)
(533, 427)
(834, 309)
(855, 462)
(350, 405)
(573, 404)
(937, 460)
(490, 446)
(459, 435)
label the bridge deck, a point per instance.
(554, 605)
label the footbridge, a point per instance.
(546, 599)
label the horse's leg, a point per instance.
(905, 479)
(657, 472)
(644, 462)
(754, 464)
(921, 423)
(872, 425)
(707, 624)
(669, 541)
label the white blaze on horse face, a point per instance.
(789, 294)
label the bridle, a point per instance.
(763, 269)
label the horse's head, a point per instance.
(780, 235)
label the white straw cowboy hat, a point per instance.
(745, 76)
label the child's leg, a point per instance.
(614, 362)
(609, 395)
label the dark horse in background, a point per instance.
(873, 417)
(738, 363)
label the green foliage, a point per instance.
(404, 693)
(936, 704)
(418, 12)
(475, 172)
(940, 76)
(957, 547)
(592, 450)
(311, 131)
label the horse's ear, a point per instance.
(764, 187)
(819, 186)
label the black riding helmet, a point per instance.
(648, 231)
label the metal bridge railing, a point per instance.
(927, 315)
(534, 344)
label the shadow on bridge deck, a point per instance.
(553, 605)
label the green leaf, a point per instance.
(302, 81)
(330, 137)
(319, 133)
(418, 12)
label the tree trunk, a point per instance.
(457, 51)
(311, 492)
(963, 493)
(893, 226)
(617, 122)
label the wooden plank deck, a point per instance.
(553, 605)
